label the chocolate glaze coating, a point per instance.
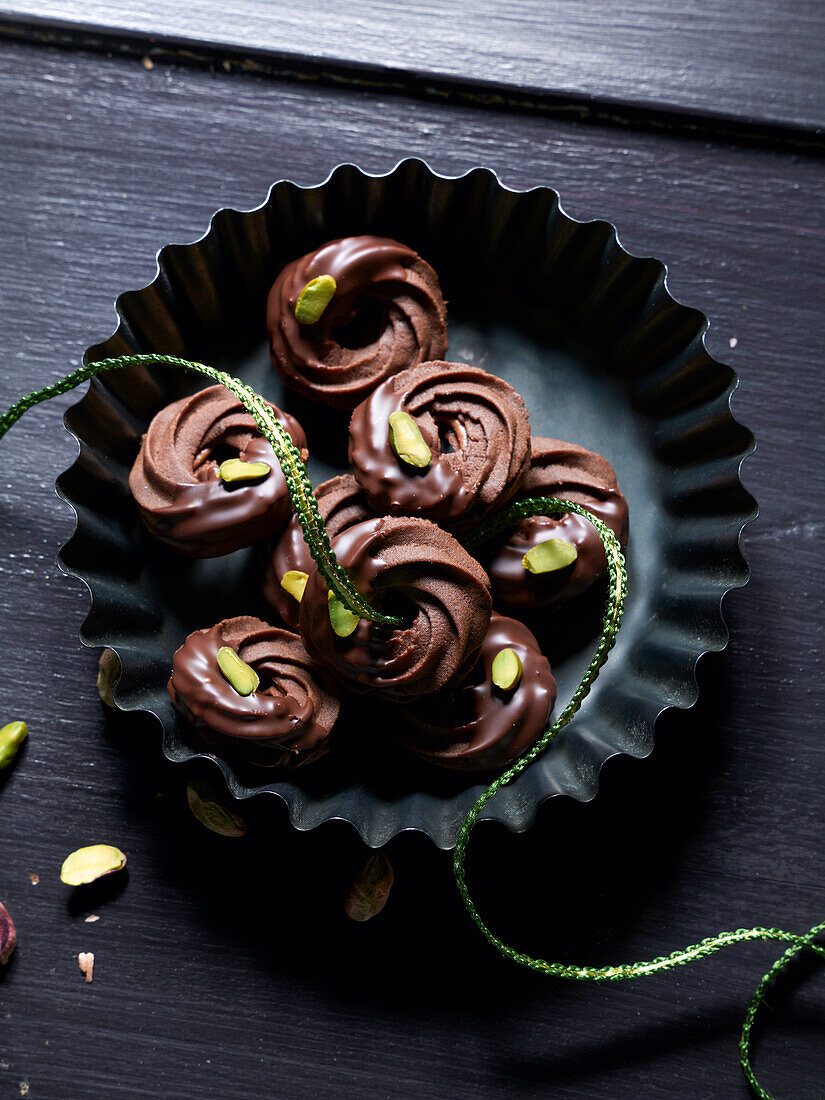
(286, 722)
(570, 472)
(175, 482)
(476, 726)
(341, 504)
(480, 416)
(419, 571)
(387, 313)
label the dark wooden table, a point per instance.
(227, 968)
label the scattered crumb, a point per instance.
(148, 63)
(86, 962)
(34, 879)
(92, 919)
(733, 341)
(227, 66)
(24, 1088)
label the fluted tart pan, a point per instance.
(603, 355)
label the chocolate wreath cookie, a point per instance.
(441, 440)
(495, 714)
(341, 504)
(255, 685)
(413, 569)
(522, 574)
(205, 480)
(345, 317)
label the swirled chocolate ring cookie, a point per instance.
(206, 481)
(341, 504)
(568, 472)
(480, 723)
(413, 569)
(345, 317)
(441, 440)
(255, 685)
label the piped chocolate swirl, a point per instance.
(569, 472)
(387, 313)
(475, 427)
(285, 722)
(341, 504)
(176, 483)
(476, 726)
(422, 574)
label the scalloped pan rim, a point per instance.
(377, 826)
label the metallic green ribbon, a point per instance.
(317, 539)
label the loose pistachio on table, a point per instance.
(108, 672)
(371, 888)
(86, 962)
(211, 811)
(12, 736)
(8, 935)
(91, 863)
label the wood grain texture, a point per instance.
(757, 61)
(226, 968)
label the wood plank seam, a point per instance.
(600, 110)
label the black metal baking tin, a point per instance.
(603, 355)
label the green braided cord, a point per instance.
(617, 590)
(306, 508)
(294, 470)
(759, 997)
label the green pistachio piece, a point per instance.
(294, 582)
(211, 811)
(407, 441)
(108, 671)
(371, 888)
(343, 620)
(314, 299)
(8, 935)
(240, 675)
(506, 671)
(12, 736)
(233, 470)
(549, 556)
(89, 864)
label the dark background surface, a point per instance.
(226, 968)
(745, 59)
